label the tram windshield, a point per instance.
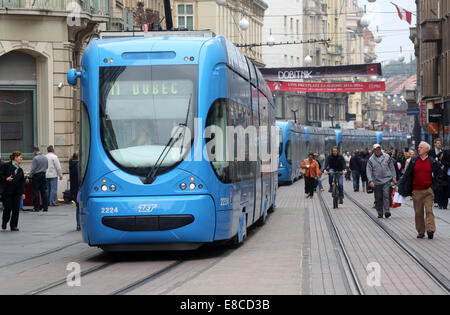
(140, 109)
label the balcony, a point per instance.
(431, 30)
(98, 8)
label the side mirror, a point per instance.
(72, 76)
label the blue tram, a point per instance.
(297, 141)
(157, 167)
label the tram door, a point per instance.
(258, 164)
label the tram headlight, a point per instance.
(192, 186)
(183, 186)
(104, 188)
(113, 188)
(281, 164)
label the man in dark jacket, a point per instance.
(422, 176)
(336, 163)
(2, 183)
(355, 167)
(446, 162)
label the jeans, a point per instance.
(52, 189)
(319, 182)
(356, 175)
(340, 182)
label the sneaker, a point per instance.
(430, 235)
(341, 201)
(380, 216)
(4, 226)
(78, 228)
(421, 236)
(387, 215)
(14, 230)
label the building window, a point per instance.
(17, 123)
(185, 13)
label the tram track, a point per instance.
(349, 270)
(132, 274)
(423, 263)
(46, 253)
(61, 282)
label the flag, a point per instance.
(403, 14)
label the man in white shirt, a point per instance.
(53, 172)
(347, 158)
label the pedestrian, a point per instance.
(381, 173)
(74, 176)
(39, 167)
(412, 154)
(53, 172)
(446, 162)
(436, 150)
(364, 158)
(319, 180)
(312, 172)
(442, 190)
(422, 175)
(14, 177)
(347, 158)
(2, 183)
(355, 167)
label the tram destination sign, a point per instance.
(305, 73)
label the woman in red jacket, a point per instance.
(312, 172)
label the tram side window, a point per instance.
(288, 152)
(216, 143)
(85, 143)
(280, 138)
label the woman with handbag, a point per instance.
(312, 171)
(14, 178)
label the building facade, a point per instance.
(39, 42)
(278, 27)
(432, 48)
(315, 28)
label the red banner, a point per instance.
(339, 87)
(423, 113)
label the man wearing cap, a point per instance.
(380, 174)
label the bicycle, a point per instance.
(335, 189)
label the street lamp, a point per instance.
(331, 116)
(295, 112)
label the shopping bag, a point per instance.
(396, 199)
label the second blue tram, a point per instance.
(148, 167)
(294, 149)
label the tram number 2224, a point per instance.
(110, 210)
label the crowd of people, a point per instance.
(43, 178)
(423, 175)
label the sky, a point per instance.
(394, 31)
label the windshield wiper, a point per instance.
(154, 170)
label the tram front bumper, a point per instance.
(148, 220)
